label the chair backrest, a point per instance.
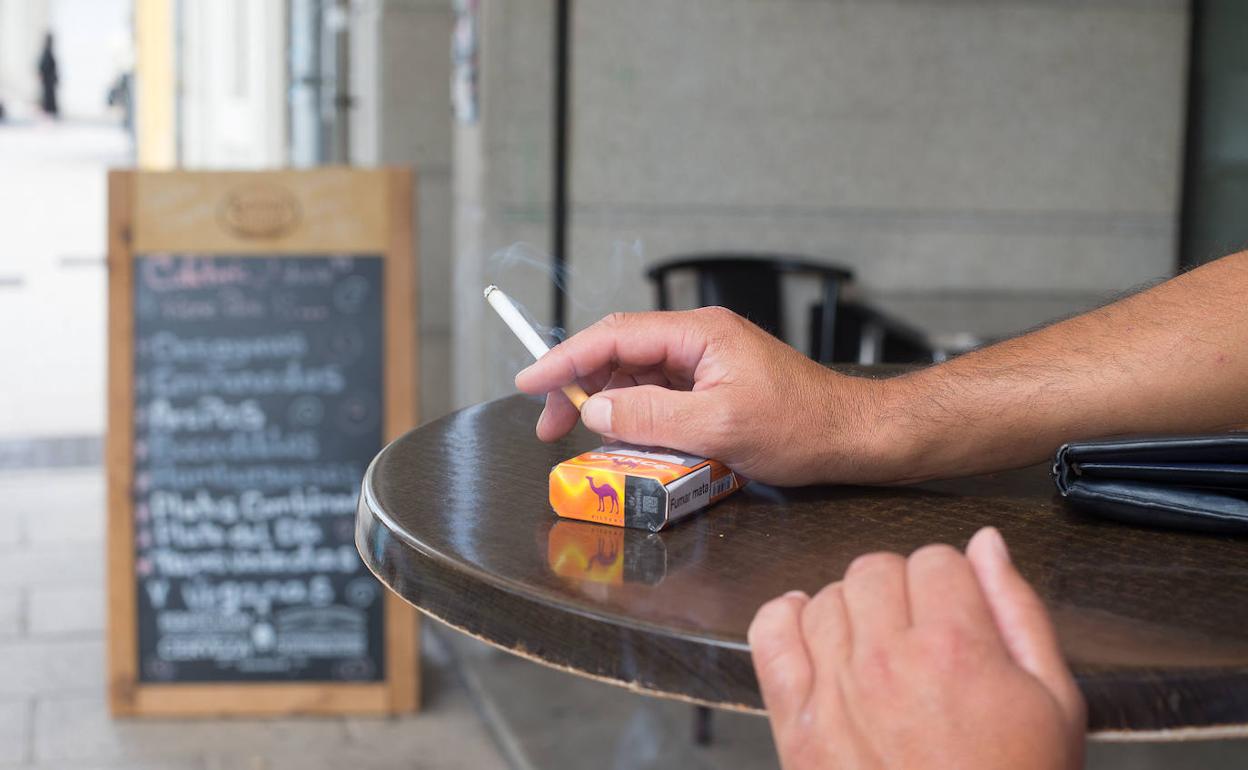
(751, 284)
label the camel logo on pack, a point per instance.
(259, 211)
(623, 463)
(608, 551)
(606, 493)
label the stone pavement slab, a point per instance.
(11, 601)
(435, 757)
(166, 763)
(56, 506)
(15, 731)
(52, 564)
(438, 737)
(79, 728)
(52, 667)
(65, 610)
(75, 732)
(10, 523)
(556, 719)
(446, 735)
(1179, 755)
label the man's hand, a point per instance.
(936, 661)
(711, 383)
(1167, 360)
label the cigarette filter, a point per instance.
(645, 488)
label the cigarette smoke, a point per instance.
(526, 273)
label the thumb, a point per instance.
(649, 415)
(1023, 622)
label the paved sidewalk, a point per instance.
(52, 710)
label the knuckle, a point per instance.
(766, 618)
(873, 562)
(831, 594)
(643, 414)
(719, 324)
(824, 615)
(718, 314)
(642, 418)
(773, 662)
(560, 361)
(719, 430)
(718, 327)
(614, 320)
(873, 664)
(946, 645)
(937, 555)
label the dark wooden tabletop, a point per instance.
(454, 517)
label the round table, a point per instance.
(454, 518)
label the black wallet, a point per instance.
(1185, 482)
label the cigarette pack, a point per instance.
(592, 553)
(640, 487)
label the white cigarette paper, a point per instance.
(507, 311)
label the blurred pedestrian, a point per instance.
(48, 78)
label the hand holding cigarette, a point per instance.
(1168, 360)
(711, 383)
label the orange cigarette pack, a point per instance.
(641, 487)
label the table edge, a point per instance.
(1102, 690)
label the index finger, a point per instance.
(672, 339)
(781, 659)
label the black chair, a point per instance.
(751, 284)
(865, 335)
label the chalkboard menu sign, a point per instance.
(251, 382)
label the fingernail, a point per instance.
(523, 372)
(596, 414)
(796, 595)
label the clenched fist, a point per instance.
(936, 661)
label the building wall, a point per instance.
(401, 70)
(232, 66)
(502, 187)
(929, 145)
(1030, 145)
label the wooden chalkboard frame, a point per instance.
(321, 211)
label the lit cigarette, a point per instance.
(520, 327)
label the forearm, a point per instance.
(1172, 359)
